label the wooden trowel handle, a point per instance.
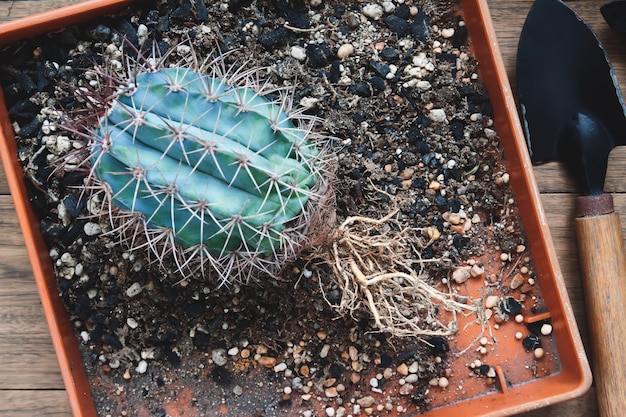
(603, 268)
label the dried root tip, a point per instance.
(374, 266)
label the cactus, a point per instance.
(206, 171)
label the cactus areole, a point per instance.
(206, 164)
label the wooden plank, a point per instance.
(30, 403)
(584, 406)
(27, 358)
(4, 187)
(11, 10)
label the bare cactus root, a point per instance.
(377, 263)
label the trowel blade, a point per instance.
(572, 108)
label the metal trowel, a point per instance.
(573, 111)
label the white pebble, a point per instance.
(324, 351)
(132, 323)
(519, 335)
(142, 367)
(330, 412)
(280, 367)
(438, 115)
(219, 356)
(539, 352)
(134, 289)
(389, 7)
(374, 383)
(546, 329)
(411, 378)
(92, 229)
(443, 382)
(447, 33)
(298, 52)
(233, 351)
(237, 390)
(423, 85)
(373, 11)
(491, 301)
(142, 33)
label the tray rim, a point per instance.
(575, 377)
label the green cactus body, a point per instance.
(218, 166)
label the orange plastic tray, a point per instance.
(571, 375)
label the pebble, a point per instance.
(324, 351)
(403, 369)
(546, 329)
(331, 392)
(492, 301)
(366, 401)
(92, 229)
(423, 85)
(280, 367)
(447, 33)
(237, 390)
(373, 11)
(461, 274)
(142, 367)
(517, 281)
(345, 50)
(298, 53)
(443, 382)
(389, 7)
(411, 378)
(414, 367)
(267, 361)
(233, 351)
(353, 21)
(134, 289)
(437, 115)
(353, 352)
(405, 389)
(539, 353)
(477, 271)
(219, 356)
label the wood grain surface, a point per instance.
(30, 381)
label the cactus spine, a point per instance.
(198, 165)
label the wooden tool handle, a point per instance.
(603, 268)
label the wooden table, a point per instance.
(30, 381)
